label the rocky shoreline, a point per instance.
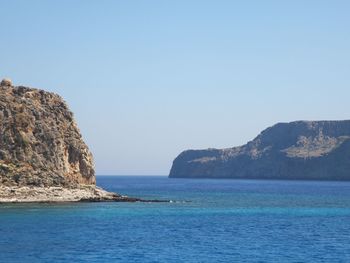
(83, 193)
(43, 157)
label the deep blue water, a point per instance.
(224, 221)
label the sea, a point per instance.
(205, 220)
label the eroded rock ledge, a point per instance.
(54, 194)
(30, 194)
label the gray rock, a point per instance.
(305, 150)
(6, 82)
(33, 194)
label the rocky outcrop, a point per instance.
(43, 157)
(305, 150)
(40, 143)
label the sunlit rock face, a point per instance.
(308, 150)
(40, 143)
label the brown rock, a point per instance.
(40, 143)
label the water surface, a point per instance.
(208, 221)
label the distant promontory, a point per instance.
(300, 150)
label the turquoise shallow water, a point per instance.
(221, 221)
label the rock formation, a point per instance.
(43, 157)
(40, 143)
(305, 150)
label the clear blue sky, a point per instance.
(148, 79)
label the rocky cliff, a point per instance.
(306, 150)
(40, 143)
(43, 157)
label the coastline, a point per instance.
(82, 193)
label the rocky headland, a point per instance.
(43, 157)
(302, 150)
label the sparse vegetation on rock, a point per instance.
(39, 140)
(43, 157)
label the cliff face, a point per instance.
(312, 150)
(40, 143)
